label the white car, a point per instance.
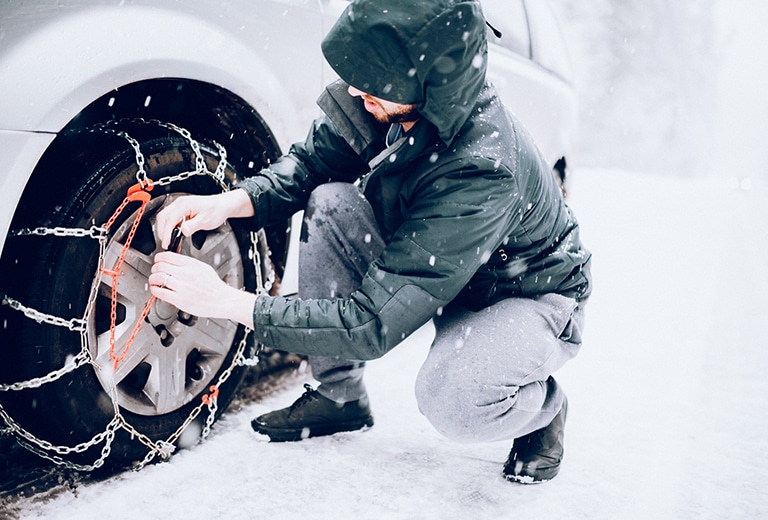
(110, 108)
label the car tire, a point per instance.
(175, 358)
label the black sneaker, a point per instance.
(313, 415)
(536, 457)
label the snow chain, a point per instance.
(161, 448)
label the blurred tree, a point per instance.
(645, 74)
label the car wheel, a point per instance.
(148, 383)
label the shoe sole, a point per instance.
(320, 430)
(544, 475)
(528, 479)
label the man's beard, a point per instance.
(407, 114)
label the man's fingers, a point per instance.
(160, 279)
(166, 260)
(170, 216)
(191, 225)
(165, 293)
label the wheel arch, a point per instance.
(209, 112)
(57, 76)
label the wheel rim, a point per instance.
(174, 357)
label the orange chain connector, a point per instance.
(137, 193)
(208, 399)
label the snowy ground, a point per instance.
(667, 414)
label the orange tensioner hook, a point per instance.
(139, 192)
(208, 399)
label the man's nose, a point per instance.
(355, 92)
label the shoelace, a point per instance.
(310, 394)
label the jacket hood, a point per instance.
(432, 54)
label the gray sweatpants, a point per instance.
(487, 376)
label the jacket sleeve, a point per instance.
(366, 326)
(281, 189)
(430, 258)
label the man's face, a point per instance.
(386, 111)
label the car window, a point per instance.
(509, 18)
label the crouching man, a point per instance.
(424, 199)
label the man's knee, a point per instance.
(461, 410)
(331, 197)
(339, 239)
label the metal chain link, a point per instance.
(95, 232)
(212, 408)
(141, 173)
(82, 358)
(43, 447)
(201, 167)
(265, 277)
(74, 324)
(221, 168)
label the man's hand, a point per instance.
(202, 213)
(194, 287)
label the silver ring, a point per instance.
(165, 281)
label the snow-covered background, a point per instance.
(674, 88)
(668, 411)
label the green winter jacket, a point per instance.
(468, 208)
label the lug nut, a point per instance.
(186, 318)
(166, 338)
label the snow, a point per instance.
(667, 399)
(667, 407)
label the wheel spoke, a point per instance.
(132, 284)
(209, 335)
(165, 387)
(220, 252)
(144, 344)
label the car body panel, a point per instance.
(539, 99)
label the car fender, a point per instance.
(20, 152)
(54, 71)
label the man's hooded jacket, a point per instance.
(468, 208)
